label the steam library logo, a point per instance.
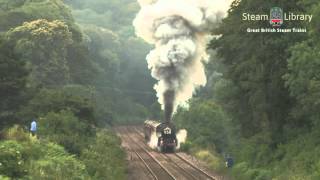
(277, 18)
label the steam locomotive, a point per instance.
(165, 134)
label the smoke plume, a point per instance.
(178, 29)
(153, 142)
(181, 137)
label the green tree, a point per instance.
(15, 13)
(66, 129)
(13, 76)
(303, 81)
(206, 124)
(103, 13)
(268, 84)
(56, 100)
(118, 55)
(253, 65)
(38, 160)
(302, 77)
(104, 158)
(43, 45)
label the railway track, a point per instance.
(156, 169)
(185, 171)
(177, 170)
(179, 163)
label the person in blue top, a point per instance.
(33, 127)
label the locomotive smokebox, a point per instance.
(168, 106)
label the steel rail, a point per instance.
(143, 161)
(152, 157)
(181, 168)
(186, 161)
(148, 167)
(200, 170)
(176, 164)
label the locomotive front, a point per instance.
(167, 140)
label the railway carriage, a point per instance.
(165, 133)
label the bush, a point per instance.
(16, 133)
(264, 175)
(186, 147)
(38, 160)
(206, 122)
(55, 163)
(12, 162)
(104, 159)
(212, 159)
(67, 130)
(242, 171)
(295, 159)
(4, 177)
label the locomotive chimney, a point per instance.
(168, 106)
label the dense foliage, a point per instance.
(26, 157)
(99, 159)
(29, 158)
(51, 73)
(267, 86)
(119, 55)
(206, 123)
(32, 41)
(12, 82)
(77, 68)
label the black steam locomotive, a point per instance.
(165, 134)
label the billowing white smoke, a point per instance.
(181, 137)
(179, 31)
(153, 143)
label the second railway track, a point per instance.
(177, 163)
(156, 169)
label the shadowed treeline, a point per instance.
(261, 103)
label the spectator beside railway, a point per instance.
(33, 128)
(229, 162)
